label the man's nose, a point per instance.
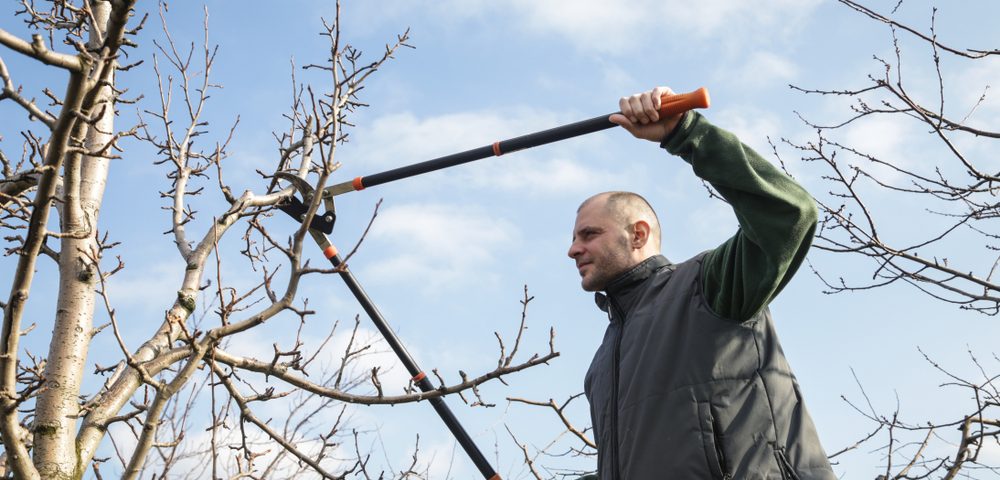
(574, 250)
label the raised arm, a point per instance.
(777, 216)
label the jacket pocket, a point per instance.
(715, 455)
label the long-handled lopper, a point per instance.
(669, 105)
(319, 227)
(322, 225)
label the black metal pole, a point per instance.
(418, 376)
(499, 148)
(670, 105)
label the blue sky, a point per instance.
(450, 252)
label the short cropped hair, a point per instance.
(627, 207)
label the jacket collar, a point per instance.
(623, 288)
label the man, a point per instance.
(690, 381)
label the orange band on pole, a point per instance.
(358, 183)
(496, 149)
(418, 377)
(330, 251)
(496, 477)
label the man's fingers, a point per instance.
(624, 107)
(655, 95)
(639, 114)
(658, 93)
(633, 109)
(648, 106)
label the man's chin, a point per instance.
(589, 286)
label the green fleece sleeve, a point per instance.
(777, 218)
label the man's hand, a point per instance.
(641, 117)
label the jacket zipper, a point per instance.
(719, 452)
(615, 468)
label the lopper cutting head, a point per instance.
(298, 209)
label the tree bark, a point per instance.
(85, 177)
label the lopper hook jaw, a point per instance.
(297, 209)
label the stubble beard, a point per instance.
(606, 269)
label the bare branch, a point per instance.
(36, 49)
(968, 53)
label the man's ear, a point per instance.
(640, 234)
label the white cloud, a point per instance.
(554, 176)
(763, 69)
(883, 138)
(603, 27)
(437, 459)
(753, 126)
(617, 27)
(147, 289)
(440, 244)
(710, 224)
(593, 25)
(618, 78)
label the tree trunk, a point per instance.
(58, 406)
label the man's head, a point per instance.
(614, 232)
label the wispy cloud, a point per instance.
(883, 138)
(753, 126)
(618, 27)
(602, 27)
(710, 224)
(149, 288)
(553, 176)
(439, 244)
(761, 69)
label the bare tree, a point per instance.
(954, 196)
(943, 448)
(183, 378)
(946, 248)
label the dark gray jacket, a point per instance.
(678, 392)
(690, 382)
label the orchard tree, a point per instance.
(927, 223)
(149, 407)
(957, 191)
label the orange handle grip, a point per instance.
(682, 102)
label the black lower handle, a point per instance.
(418, 376)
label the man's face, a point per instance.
(600, 246)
